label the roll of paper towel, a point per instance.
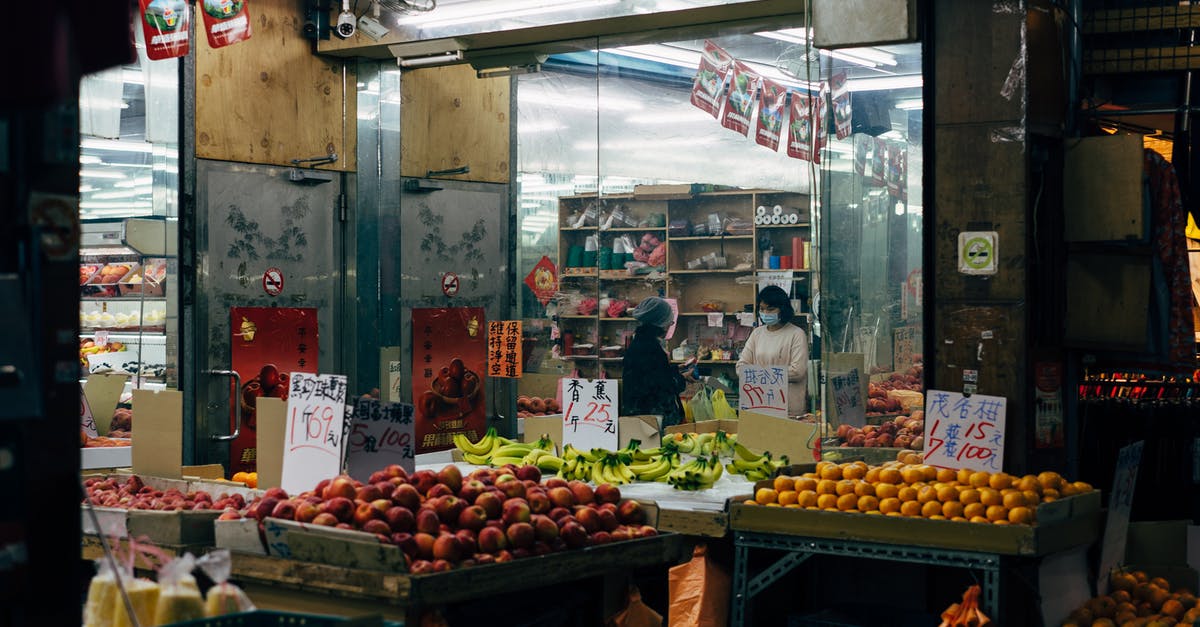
(761, 211)
(777, 210)
(775, 219)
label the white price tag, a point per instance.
(313, 439)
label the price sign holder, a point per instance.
(1120, 503)
(380, 434)
(964, 432)
(271, 417)
(763, 390)
(313, 440)
(590, 413)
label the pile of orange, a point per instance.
(248, 478)
(1136, 600)
(919, 491)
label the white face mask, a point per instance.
(768, 318)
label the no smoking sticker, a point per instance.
(273, 281)
(977, 252)
(450, 284)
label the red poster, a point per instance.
(772, 108)
(267, 344)
(226, 22)
(543, 280)
(739, 106)
(708, 88)
(166, 26)
(800, 129)
(449, 364)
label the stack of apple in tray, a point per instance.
(442, 520)
(165, 511)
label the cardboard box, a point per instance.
(800, 441)
(158, 439)
(174, 528)
(705, 426)
(239, 536)
(1062, 524)
(330, 545)
(105, 457)
(643, 428)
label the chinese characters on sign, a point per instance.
(764, 390)
(964, 432)
(316, 411)
(1116, 527)
(590, 413)
(380, 434)
(847, 398)
(504, 348)
(542, 280)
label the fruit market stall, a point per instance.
(908, 513)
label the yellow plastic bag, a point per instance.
(720, 407)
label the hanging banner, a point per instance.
(967, 432)
(862, 148)
(381, 434)
(313, 436)
(839, 92)
(267, 343)
(543, 280)
(226, 22)
(708, 88)
(590, 413)
(763, 390)
(166, 26)
(879, 160)
(739, 105)
(800, 129)
(449, 359)
(772, 107)
(504, 349)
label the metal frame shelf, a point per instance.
(799, 549)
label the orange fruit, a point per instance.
(1082, 487)
(990, 497)
(978, 519)
(1121, 595)
(946, 475)
(827, 486)
(1000, 481)
(1014, 499)
(252, 480)
(1140, 576)
(886, 490)
(830, 472)
(926, 494)
(1020, 515)
(947, 493)
(1050, 480)
(911, 474)
(1032, 497)
(1172, 608)
(889, 505)
(827, 501)
(1028, 482)
(1161, 583)
(1103, 622)
(979, 479)
(910, 508)
(868, 503)
(863, 488)
(1158, 597)
(793, 506)
(929, 472)
(784, 483)
(997, 512)
(766, 495)
(963, 476)
(974, 510)
(807, 498)
(774, 505)
(873, 475)
(846, 486)
(854, 471)
(891, 475)
(750, 502)
(239, 476)
(931, 508)
(969, 495)
(789, 497)
(907, 493)
(953, 509)
(847, 502)
(1049, 494)
(805, 483)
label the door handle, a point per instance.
(235, 400)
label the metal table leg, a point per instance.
(745, 589)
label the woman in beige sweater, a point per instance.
(777, 341)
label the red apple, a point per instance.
(439, 489)
(589, 518)
(555, 482)
(471, 489)
(400, 519)
(630, 512)
(446, 547)
(325, 519)
(467, 541)
(473, 517)
(424, 545)
(449, 507)
(451, 477)
(368, 493)
(608, 520)
(285, 510)
(529, 472)
(406, 495)
(582, 491)
(230, 514)
(607, 493)
(544, 528)
(484, 558)
(491, 503)
(428, 522)
(379, 527)
(558, 512)
(377, 477)
(420, 567)
(520, 535)
(340, 485)
(561, 496)
(364, 512)
(512, 487)
(574, 535)
(276, 492)
(492, 539)
(395, 470)
(423, 480)
(561, 521)
(646, 531)
(539, 503)
(340, 506)
(406, 542)
(265, 506)
(515, 511)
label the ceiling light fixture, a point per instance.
(432, 61)
(468, 12)
(886, 82)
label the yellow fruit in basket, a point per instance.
(890, 505)
(872, 475)
(952, 509)
(910, 508)
(856, 470)
(990, 497)
(1082, 487)
(944, 475)
(963, 476)
(931, 508)
(1050, 480)
(926, 494)
(847, 502)
(750, 502)
(979, 519)
(766, 495)
(784, 483)
(789, 497)
(827, 486)
(891, 475)
(1049, 495)
(845, 486)
(886, 490)
(1027, 483)
(804, 483)
(979, 479)
(1032, 497)
(997, 512)
(1000, 481)
(863, 488)
(969, 495)
(830, 472)
(827, 501)
(947, 493)
(807, 498)
(1013, 498)
(868, 503)
(974, 510)
(1020, 515)
(911, 474)
(907, 493)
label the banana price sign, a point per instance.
(590, 413)
(314, 435)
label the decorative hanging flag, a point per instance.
(226, 22)
(543, 280)
(708, 88)
(167, 26)
(739, 106)
(842, 111)
(772, 108)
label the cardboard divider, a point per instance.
(271, 421)
(158, 438)
(800, 441)
(103, 392)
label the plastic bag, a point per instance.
(699, 592)
(223, 597)
(179, 598)
(635, 614)
(701, 405)
(721, 408)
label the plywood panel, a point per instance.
(269, 100)
(980, 61)
(1102, 189)
(451, 119)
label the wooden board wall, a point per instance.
(450, 119)
(269, 99)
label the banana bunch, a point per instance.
(655, 467)
(683, 442)
(718, 442)
(613, 468)
(494, 450)
(578, 464)
(699, 474)
(754, 467)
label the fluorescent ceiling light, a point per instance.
(83, 189)
(127, 193)
(591, 104)
(141, 180)
(915, 103)
(548, 198)
(90, 204)
(96, 143)
(469, 12)
(133, 77)
(540, 126)
(89, 160)
(885, 82)
(101, 174)
(873, 54)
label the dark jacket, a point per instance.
(650, 383)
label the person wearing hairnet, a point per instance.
(650, 384)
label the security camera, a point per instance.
(346, 21)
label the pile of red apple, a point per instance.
(901, 432)
(442, 520)
(134, 494)
(536, 406)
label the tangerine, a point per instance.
(830, 472)
(890, 476)
(827, 501)
(947, 493)
(979, 479)
(1000, 481)
(953, 509)
(766, 495)
(240, 476)
(931, 508)
(854, 471)
(863, 488)
(910, 508)
(929, 473)
(945, 475)
(975, 510)
(1028, 482)
(978, 519)
(1172, 608)
(867, 503)
(789, 497)
(827, 486)
(846, 486)
(805, 483)
(911, 474)
(926, 494)
(784, 483)
(1050, 480)
(1020, 515)
(990, 497)
(889, 505)
(886, 490)
(963, 476)
(907, 493)
(969, 495)
(1014, 499)
(847, 502)
(997, 512)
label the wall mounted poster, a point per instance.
(449, 370)
(266, 344)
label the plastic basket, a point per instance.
(267, 618)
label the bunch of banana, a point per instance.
(683, 442)
(754, 467)
(699, 474)
(613, 468)
(545, 461)
(578, 464)
(718, 442)
(656, 467)
(492, 449)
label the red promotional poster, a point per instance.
(708, 88)
(772, 108)
(739, 106)
(840, 94)
(821, 121)
(879, 161)
(543, 280)
(800, 129)
(166, 25)
(267, 343)
(449, 366)
(897, 161)
(226, 22)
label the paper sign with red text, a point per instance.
(763, 390)
(590, 413)
(312, 445)
(964, 432)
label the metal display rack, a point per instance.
(799, 549)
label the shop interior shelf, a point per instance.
(716, 271)
(708, 238)
(631, 229)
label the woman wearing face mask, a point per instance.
(650, 385)
(777, 341)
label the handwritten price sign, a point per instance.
(1120, 502)
(590, 413)
(380, 434)
(764, 390)
(848, 398)
(966, 432)
(86, 421)
(316, 413)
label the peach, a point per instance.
(544, 528)
(449, 507)
(400, 519)
(555, 482)
(582, 491)
(471, 489)
(451, 477)
(439, 489)
(441, 566)
(285, 510)
(520, 535)
(365, 512)
(230, 514)
(529, 473)
(446, 547)
(427, 521)
(561, 496)
(630, 512)
(395, 471)
(467, 541)
(515, 511)
(491, 503)
(589, 519)
(264, 507)
(378, 527)
(420, 567)
(607, 493)
(424, 545)
(423, 480)
(368, 493)
(406, 495)
(539, 503)
(608, 520)
(340, 485)
(574, 535)
(512, 487)
(325, 519)
(473, 517)
(492, 539)
(558, 512)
